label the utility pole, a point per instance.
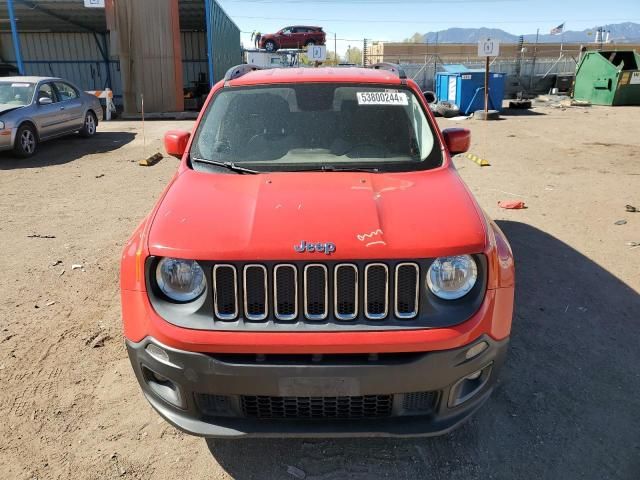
(486, 86)
(435, 63)
(335, 47)
(533, 64)
(364, 53)
(519, 53)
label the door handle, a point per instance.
(61, 108)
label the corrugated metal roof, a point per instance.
(73, 16)
(54, 16)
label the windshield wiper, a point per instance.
(331, 168)
(228, 165)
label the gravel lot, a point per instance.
(568, 400)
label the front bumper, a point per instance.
(417, 394)
(7, 138)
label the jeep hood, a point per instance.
(367, 216)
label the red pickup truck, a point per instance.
(293, 37)
(316, 266)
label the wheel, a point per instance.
(26, 141)
(310, 43)
(490, 115)
(429, 96)
(447, 109)
(270, 46)
(90, 124)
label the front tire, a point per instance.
(310, 43)
(90, 125)
(270, 46)
(26, 141)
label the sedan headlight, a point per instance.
(180, 280)
(451, 278)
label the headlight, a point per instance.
(180, 280)
(451, 278)
(1, 125)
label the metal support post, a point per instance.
(15, 37)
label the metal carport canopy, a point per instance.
(73, 16)
(54, 16)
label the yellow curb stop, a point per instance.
(480, 161)
(152, 160)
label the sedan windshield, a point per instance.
(15, 94)
(317, 126)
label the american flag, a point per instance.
(557, 30)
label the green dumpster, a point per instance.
(609, 78)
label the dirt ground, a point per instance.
(567, 405)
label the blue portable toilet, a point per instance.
(465, 87)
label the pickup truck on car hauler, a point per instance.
(316, 267)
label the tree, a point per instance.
(415, 38)
(353, 55)
(331, 58)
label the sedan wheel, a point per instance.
(89, 127)
(26, 141)
(270, 46)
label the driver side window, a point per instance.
(46, 91)
(66, 91)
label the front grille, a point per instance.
(420, 401)
(225, 287)
(316, 292)
(255, 292)
(406, 284)
(346, 292)
(367, 406)
(285, 291)
(376, 291)
(345, 407)
(213, 405)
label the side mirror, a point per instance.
(44, 101)
(175, 142)
(457, 140)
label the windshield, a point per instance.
(16, 94)
(311, 126)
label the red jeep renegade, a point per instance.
(317, 267)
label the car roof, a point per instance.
(25, 79)
(317, 75)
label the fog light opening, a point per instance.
(469, 386)
(163, 388)
(474, 375)
(159, 378)
(476, 350)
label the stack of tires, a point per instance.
(443, 108)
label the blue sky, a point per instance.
(352, 20)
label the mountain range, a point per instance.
(626, 32)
